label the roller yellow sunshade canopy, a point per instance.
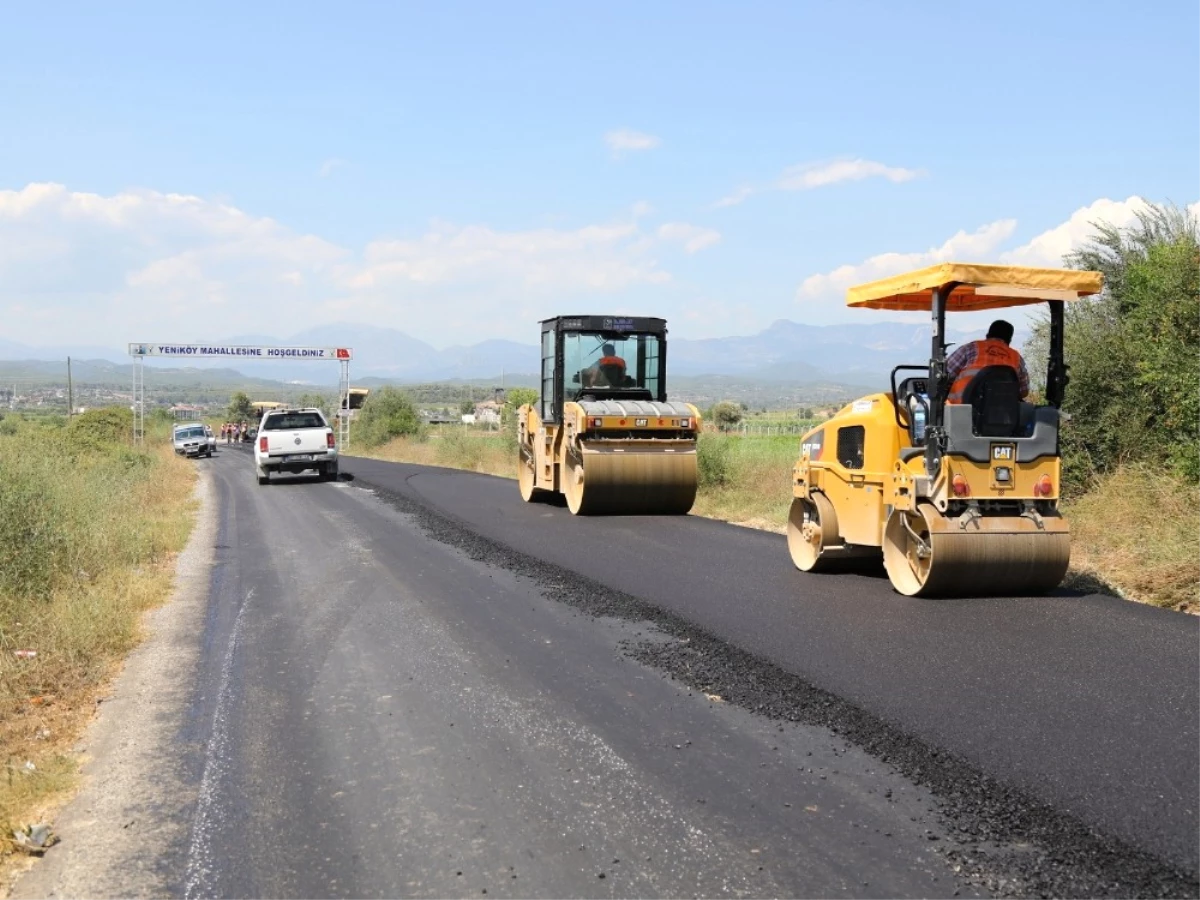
(979, 287)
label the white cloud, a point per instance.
(596, 257)
(624, 140)
(328, 167)
(1049, 247)
(977, 246)
(808, 176)
(109, 269)
(738, 196)
(826, 291)
(693, 237)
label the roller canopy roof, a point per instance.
(979, 287)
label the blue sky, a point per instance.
(458, 170)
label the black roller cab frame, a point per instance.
(568, 342)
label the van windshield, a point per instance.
(290, 421)
(193, 432)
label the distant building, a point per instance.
(488, 412)
(183, 411)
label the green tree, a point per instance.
(726, 414)
(388, 413)
(517, 397)
(240, 408)
(514, 399)
(466, 407)
(1133, 351)
(324, 402)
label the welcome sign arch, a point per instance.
(238, 352)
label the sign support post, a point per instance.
(139, 399)
(343, 414)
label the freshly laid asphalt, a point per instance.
(378, 714)
(1089, 703)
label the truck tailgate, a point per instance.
(291, 443)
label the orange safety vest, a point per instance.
(988, 352)
(611, 361)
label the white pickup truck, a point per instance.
(295, 440)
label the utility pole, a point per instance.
(70, 390)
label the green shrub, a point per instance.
(725, 414)
(33, 536)
(714, 458)
(108, 424)
(1134, 351)
(388, 413)
(460, 449)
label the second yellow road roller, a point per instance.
(956, 484)
(603, 432)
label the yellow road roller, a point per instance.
(956, 486)
(603, 433)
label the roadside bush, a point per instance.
(725, 414)
(714, 459)
(462, 450)
(33, 537)
(1134, 351)
(107, 425)
(388, 413)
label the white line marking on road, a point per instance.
(197, 882)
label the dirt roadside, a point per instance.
(134, 796)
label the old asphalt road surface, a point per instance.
(412, 684)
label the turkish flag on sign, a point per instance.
(343, 353)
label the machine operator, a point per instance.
(994, 350)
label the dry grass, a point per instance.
(1139, 531)
(489, 452)
(91, 531)
(746, 480)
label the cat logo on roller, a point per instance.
(958, 499)
(603, 432)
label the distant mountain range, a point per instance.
(786, 352)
